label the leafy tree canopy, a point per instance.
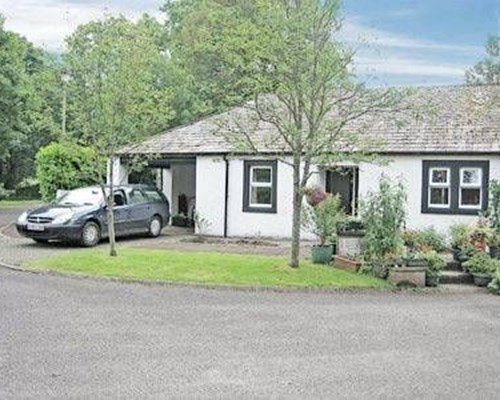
(487, 71)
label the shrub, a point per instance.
(460, 235)
(4, 193)
(384, 216)
(27, 189)
(494, 285)
(424, 240)
(324, 219)
(66, 166)
(494, 206)
(352, 224)
(482, 263)
(435, 264)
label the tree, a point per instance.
(28, 105)
(116, 92)
(487, 71)
(285, 55)
(196, 36)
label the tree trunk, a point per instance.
(297, 211)
(111, 215)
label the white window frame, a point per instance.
(439, 185)
(478, 185)
(253, 184)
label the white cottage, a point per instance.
(446, 160)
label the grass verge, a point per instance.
(207, 268)
(19, 203)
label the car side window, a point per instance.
(119, 198)
(153, 196)
(137, 197)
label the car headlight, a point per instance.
(62, 219)
(23, 218)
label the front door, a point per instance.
(344, 182)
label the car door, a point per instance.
(139, 215)
(121, 212)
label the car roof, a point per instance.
(128, 186)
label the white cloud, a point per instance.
(355, 32)
(47, 22)
(408, 66)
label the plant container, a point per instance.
(481, 279)
(431, 280)
(321, 254)
(346, 264)
(407, 276)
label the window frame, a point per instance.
(248, 168)
(439, 185)
(470, 186)
(454, 181)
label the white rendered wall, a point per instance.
(120, 172)
(210, 200)
(409, 169)
(166, 185)
(210, 193)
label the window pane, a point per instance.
(471, 197)
(470, 176)
(261, 196)
(439, 196)
(261, 175)
(439, 176)
(153, 196)
(136, 197)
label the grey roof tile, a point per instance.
(460, 124)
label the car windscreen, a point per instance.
(81, 197)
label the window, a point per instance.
(153, 196)
(439, 187)
(470, 188)
(260, 183)
(454, 187)
(137, 197)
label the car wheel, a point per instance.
(41, 241)
(91, 234)
(155, 226)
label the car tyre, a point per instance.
(155, 226)
(90, 235)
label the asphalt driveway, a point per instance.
(69, 338)
(16, 250)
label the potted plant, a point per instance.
(434, 265)
(482, 267)
(413, 259)
(350, 240)
(460, 241)
(323, 219)
(481, 234)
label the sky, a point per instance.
(397, 42)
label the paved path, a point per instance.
(67, 338)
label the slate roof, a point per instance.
(460, 123)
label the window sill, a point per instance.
(453, 211)
(259, 210)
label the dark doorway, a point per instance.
(344, 182)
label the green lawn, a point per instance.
(19, 203)
(211, 268)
